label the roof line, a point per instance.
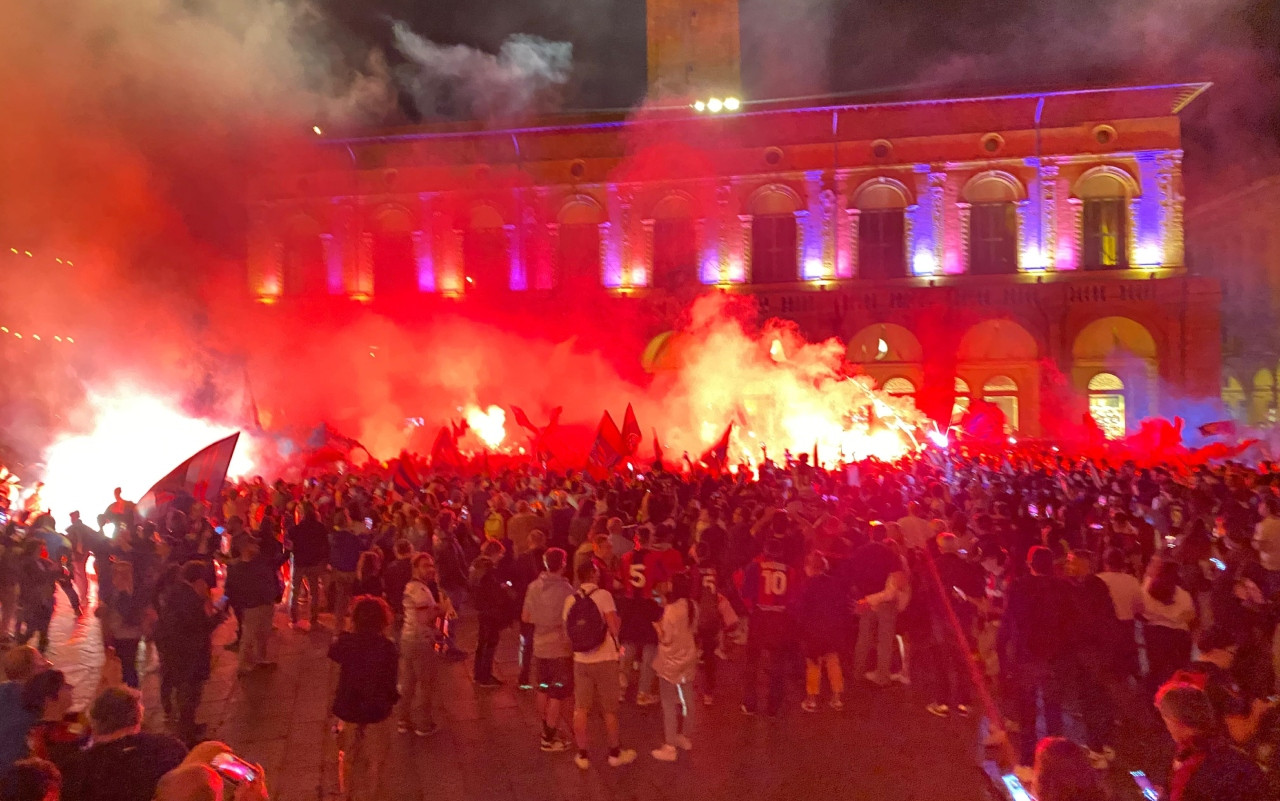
(1191, 92)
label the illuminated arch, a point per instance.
(881, 193)
(1233, 396)
(774, 199)
(1262, 404)
(391, 218)
(1111, 338)
(899, 387)
(484, 217)
(993, 186)
(673, 206)
(1106, 181)
(580, 210)
(997, 341)
(885, 343)
(1106, 393)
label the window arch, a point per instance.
(1002, 391)
(774, 235)
(578, 241)
(395, 268)
(882, 248)
(486, 250)
(899, 387)
(993, 222)
(961, 403)
(675, 247)
(1233, 396)
(1104, 193)
(1107, 404)
(1262, 406)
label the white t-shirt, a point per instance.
(420, 612)
(1126, 593)
(1176, 615)
(607, 651)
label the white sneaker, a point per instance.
(685, 743)
(581, 761)
(900, 678)
(625, 757)
(665, 753)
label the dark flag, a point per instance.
(1219, 428)
(717, 456)
(405, 477)
(523, 420)
(198, 478)
(631, 434)
(657, 448)
(459, 429)
(607, 448)
(445, 449)
(815, 455)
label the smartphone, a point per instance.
(234, 768)
(1218, 563)
(1149, 791)
(1033, 510)
(368, 524)
(1015, 789)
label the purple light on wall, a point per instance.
(1147, 212)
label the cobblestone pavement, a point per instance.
(884, 746)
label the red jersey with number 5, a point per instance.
(645, 569)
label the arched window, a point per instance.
(1233, 397)
(485, 252)
(1105, 221)
(882, 249)
(395, 269)
(675, 248)
(961, 403)
(1003, 392)
(1106, 404)
(993, 224)
(579, 255)
(900, 387)
(1262, 407)
(302, 260)
(773, 238)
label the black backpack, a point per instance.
(584, 623)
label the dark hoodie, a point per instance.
(491, 594)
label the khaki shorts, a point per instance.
(596, 682)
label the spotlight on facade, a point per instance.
(699, 105)
(715, 105)
(732, 104)
(316, 130)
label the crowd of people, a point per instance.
(1007, 587)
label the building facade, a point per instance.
(1024, 249)
(1236, 240)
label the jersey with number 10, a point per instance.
(769, 585)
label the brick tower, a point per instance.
(694, 50)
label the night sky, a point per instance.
(916, 47)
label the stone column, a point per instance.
(810, 235)
(423, 252)
(331, 250)
(724, 227)
(851, 265)
(612, 239)
(1169, 181)
(363, 284)
(642, 271)
(553, 253)
(742, 245)
(1072, 241)
(1147, 212)
(937, 190)
(344, 273)
(1049, 215)
(842, 266)
(963, 211)
(1026, 231)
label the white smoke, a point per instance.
(460, 81)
